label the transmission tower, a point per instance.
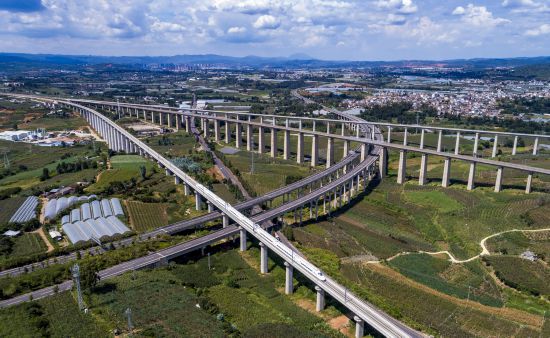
(5, 152)
(76, 277)
(128, 313)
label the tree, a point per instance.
(143, 172)
(89, 275)
(45, 174)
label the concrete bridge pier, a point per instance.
(227, 131)
(273, 142)
(320, 305)
(210, 206)
(263, 258)
(161, 119)
(242, 239)
(225, 221)
(300, 149)
(169, 120)
(498, 182)
(405, 137)
(217, 130)
(261, 143)
(346, 148)
(177, 180)
(495, 147)
(359, 327)
(476, 144)
(446, 173)
(188, 124)
(314, 150)
(389, 135)
(238, 135)
(422, 179)
(401, 171)
(422, 139)
(330, 151)
(536, 146)
(286, 144)
(439, 140)
(289, 283)
(153, 117)
(457, 144)
(383, 162)
(186, 189)
(249, 138)
(363, 152)
(515, 147)
(528, 186)
(471, 176)
(198, 201)
(206, 128)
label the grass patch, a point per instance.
(434, 199)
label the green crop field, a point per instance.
(466, 281)
(449, 317)
(522, 274)
(56, 316)
(147, 216)
(28, 244)
(8, 207)
(55, 123)
(515, 243)
(174, 144)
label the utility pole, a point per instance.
(76, 277)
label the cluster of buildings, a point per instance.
(464, 97)
(40, 137)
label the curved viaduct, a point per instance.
(336, 191)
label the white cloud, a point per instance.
(267, 22)
(401, 6)
(459, 10)
(542, 30)
(527, 6)
(478, 16)
(236, 30)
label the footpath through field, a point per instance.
(482, 243)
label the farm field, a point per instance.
(28, 244)
(123, 168)
(448, 316)
(163, 303)
(55, 123)
(176, 144)
(56, 316)
(146, 216)
(515, 243)
(522, 274)
(8, 207)
(465, 281)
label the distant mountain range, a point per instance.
(293, 61)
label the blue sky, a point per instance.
(325, 29)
